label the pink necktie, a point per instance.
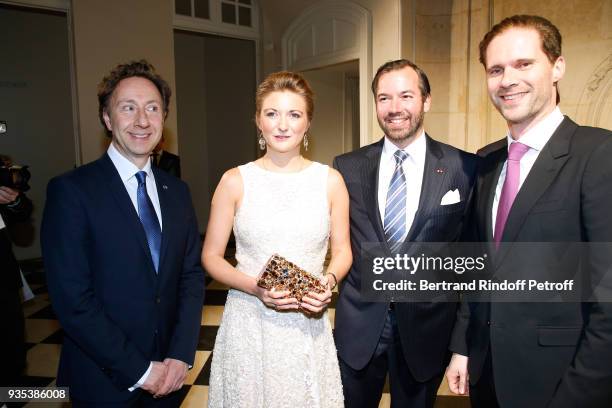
(510, 189)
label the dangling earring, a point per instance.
(262, 142)
(306, 141)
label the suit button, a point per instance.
(157, 300)
(489, 323)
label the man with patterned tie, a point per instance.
(122, 255)
(548, 181)
(404, 188)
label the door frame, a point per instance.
(315, 39)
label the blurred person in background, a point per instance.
(15, 207)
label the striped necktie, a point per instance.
(395, 207)
(148, 218)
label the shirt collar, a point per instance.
(537, 137)
(416, 149)
(126, 168)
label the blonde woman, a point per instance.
(272, 351)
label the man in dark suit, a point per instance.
(168, 162)
(14, 207)
(547, 181)
(404, 188)
(122, 255)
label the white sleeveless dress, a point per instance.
(263, 358)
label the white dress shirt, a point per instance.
(413, 167)
(127, 171)
(536, 138)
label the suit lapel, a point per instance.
(165, 208)
(492, 169)
(549, 163)
(369, 180)
(434, 175)
(122, 198)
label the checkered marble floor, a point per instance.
(44, 339)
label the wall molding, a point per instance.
(594, 103)
(55, 5)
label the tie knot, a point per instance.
(517, 151)
(141, 176)
(400, 156)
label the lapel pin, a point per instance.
(165, 187)
(440, 171)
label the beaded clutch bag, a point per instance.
(280, 274)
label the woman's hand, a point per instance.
(276, 299)
(315, 303)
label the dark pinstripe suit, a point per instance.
(425, 329)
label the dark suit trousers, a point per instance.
(363, 388)
(12, 341)
(482, 394)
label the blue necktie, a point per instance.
(395, 207)
(148, 218)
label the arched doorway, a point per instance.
(331, 33)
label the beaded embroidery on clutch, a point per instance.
(281, 274)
